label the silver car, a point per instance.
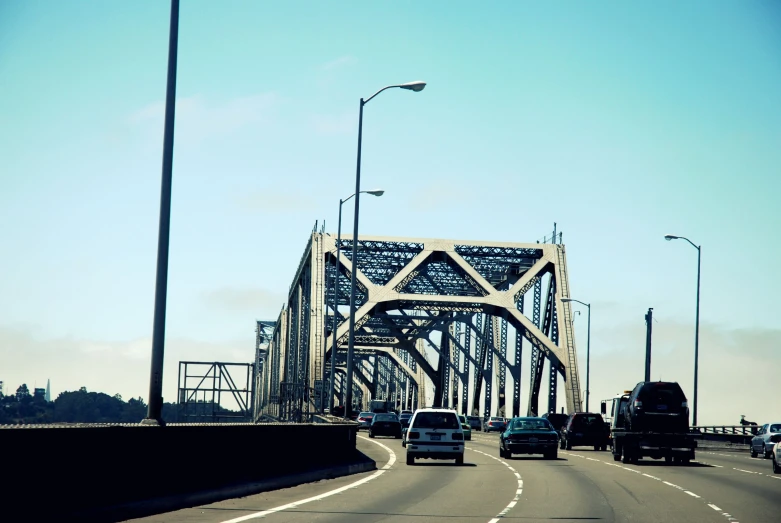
(766, 438)
(777, 458)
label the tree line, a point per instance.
(78, 406)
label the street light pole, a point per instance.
(154, 414)
(412, 86)
(588, 356)
(588, 345)
(696, 339)
(348, 404)
(377, 192)
(332, 388)
(669, 237)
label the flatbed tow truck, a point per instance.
(630, 447)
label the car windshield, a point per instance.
(775, 428)
(473, 418)
(531, 424)
(385, 417)
(435, 420)
(405, 416)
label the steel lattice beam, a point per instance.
(409, 289)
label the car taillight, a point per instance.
(458, 435)
(638, 403)
(413, 435)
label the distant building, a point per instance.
(39, 393)
(2, 390)
(48, 396)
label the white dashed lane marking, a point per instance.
(673, 485)
(518, 492)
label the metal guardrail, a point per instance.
(733, 430)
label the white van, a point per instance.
(435, 434)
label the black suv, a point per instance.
(584, 429)
(557, 420)
(657, 406)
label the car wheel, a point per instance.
(753, 452)
(371, 434)
(596, 448)
(460, 460)
(604, 448)
(561, 445)
(668, 459)
(767, 453)
(552, 454)
(410, 459)
(568, 445)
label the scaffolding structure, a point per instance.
(201, 387)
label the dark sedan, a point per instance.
(405, 418)
(385, 425)
(529, 436)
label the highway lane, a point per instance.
(582, 484)
(743, 487)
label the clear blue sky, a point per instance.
(620, 122)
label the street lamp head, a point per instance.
(414, 86)
(566, 300)
(669, 237)
(376, 192)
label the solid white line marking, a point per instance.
(714, 507)
(330, 493)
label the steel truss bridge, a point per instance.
(457, 312)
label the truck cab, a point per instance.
(613, 411)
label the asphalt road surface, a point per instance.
(581, 485)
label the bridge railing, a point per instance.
(735, 430)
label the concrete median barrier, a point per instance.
(114, 472)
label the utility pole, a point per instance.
(648, 323)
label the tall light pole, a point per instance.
(154, 414)
(588, 344)
(411, 86)
(376, 192)
(669, 237)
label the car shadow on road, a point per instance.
(446, 464)
(662, 463)
(535, 458)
